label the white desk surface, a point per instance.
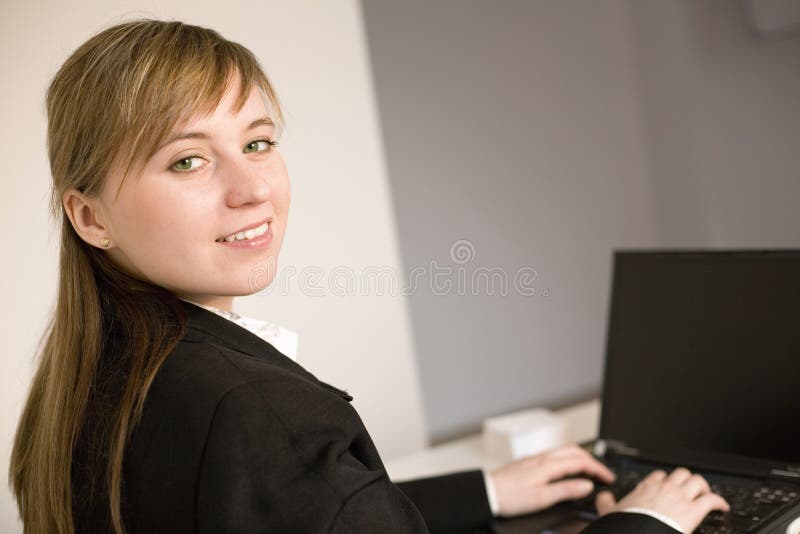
(582, 420)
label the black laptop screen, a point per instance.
(703, 353)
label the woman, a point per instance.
(152, 410)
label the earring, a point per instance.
(105, 241)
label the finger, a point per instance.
(708, 502)
(604, 474)
(679, 476)
(695, 485)
(566, 450)
(601, 470)
(565, 490)
(604, 502)
(571, 450)
(655, 477)
(556, 469)
(580, 464)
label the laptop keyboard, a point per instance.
(753, 503)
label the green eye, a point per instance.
(184, 164)
(265, 144)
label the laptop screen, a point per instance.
(703, 353)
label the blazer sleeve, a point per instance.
(279, 458)
(450, 503)
(458, 503)
(628, 523)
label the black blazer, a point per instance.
(235, 437)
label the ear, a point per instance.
(87, 218)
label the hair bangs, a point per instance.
(183, 75)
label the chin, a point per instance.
(243, 286)
(259, 287)
(260, 277)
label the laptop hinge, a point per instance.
(791, 473)
(604, 447)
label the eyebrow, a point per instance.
(262, 121)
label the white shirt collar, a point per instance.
(279, 337)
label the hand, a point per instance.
(683, 497)
(529, 485)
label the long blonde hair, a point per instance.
(112, 102)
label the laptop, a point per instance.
(703, 370)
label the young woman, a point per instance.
(154, 408)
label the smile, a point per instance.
(247, 234)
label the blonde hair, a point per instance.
(110, 106)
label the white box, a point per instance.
(513, 436)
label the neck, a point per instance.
(220, 302)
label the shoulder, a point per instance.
(195, 380)
(204, 393)
(209, 371)
(200, 381)
(227, 414)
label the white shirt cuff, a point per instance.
(490, 491)
(661, 517)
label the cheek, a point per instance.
(163, 227)
(286, 198)
(282, 194)
(281, 186)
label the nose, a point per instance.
(246, 180)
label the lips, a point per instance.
(248, 227)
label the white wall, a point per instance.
(341, 213)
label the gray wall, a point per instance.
(513, 125)
(547, 133)
(722, 108)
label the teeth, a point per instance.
(247, 234)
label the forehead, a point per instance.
(257, 105)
